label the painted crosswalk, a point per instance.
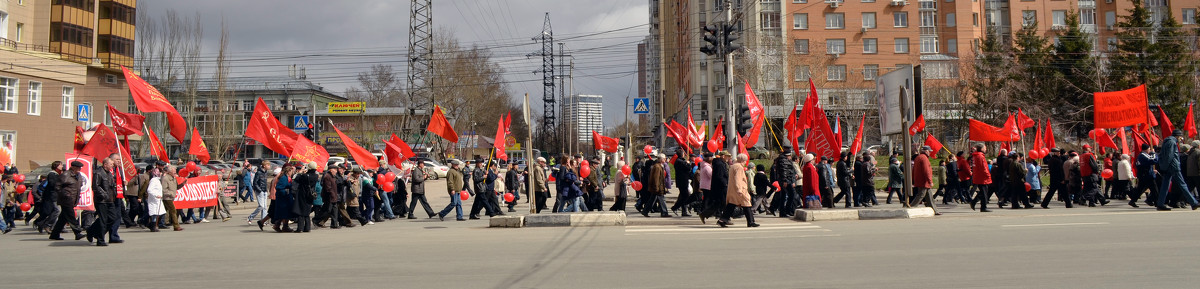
(733, 229)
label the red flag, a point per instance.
(360, 155)
(1150, 120)
(1103, 139)
(811, 104)
(1050, 135)
(156, 146)
(130, 170)
(1137, 140)
(742, 147)
(102, 144)
(934, 144)
(820, 142)
(1010, 127)
(857, 144)
(757, 116)
(1153, 138)
(125, 123)
(1037, 138)
(917, 126)
(675, 131)
(719, 134)
(267, 129)
(79, 142)
(501, 139)
(397, 151)
(1124, 143)
(198, 148)
(1120, 108)
(694, 138)
(306, 151)
(792, 127)
(1189, 122)
(1023, 121)
(607, 144)
(1167, 128)
(148, 99)
(440, 126)
(1005, 146)
(980, 131)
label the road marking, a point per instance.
(1056, 224)
(779, 237)
(708, 229)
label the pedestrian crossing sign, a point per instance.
(301, 122)
(641, 105)
(84, 112)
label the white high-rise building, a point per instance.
(583, 113)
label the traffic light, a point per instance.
(729, 37)
(744, 123)
(311, 133)
(712, 35)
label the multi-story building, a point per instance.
(54, 57)
(586, 114)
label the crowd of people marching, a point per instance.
(297, 196)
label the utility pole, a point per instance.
(731, 141)
(420, 60)
(549, 129)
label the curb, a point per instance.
(590, 219)
(861, 214)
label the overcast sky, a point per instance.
(376, 31)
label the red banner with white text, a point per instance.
(199, 192)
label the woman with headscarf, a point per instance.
(738, 194)
(284, 200)
(811, 189)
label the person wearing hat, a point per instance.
(540, 188)
(68, 187)
(810, 187)
(305, 195)
(454, 185)
(1089, 169)
(844, 166)
(714, 199)
(783, 173)
(1192, 166)
(654, 186)
(1169, 167)
(104, 192)
(49, 207)
(922, 179)
(1054, 164)
(1016, 183)
(981, 177)
(683, 174)
(738, 194)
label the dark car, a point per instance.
(31, 177)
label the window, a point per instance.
(870, 45)
(800, 21)
(975, 19)
(837, 73)
(952, 45)
(117, 11)
(1110, 18)
(868, 20)
(799, 1)
(3, 24)
(928, 18)
(950, 21)
(770, 20)
(70, 33)
(870, 71)
(115, 45)
(835, 46)
(1189, 17)
(901, 45)
(1028, 18)
(900, 19)
(1087, 16)
(1058, 18)
(835, 20)
(800, 46)
(35, 98)
(87, 5)
(868, 1)
(929, 44)
(1112, 44)
(801, 73)
(68, 101)
(8, 138)
(8, 95)
(20, 31)
(249, 105)
(110, 79)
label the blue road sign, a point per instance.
(641, 105)
(83, 112)
(300, 122)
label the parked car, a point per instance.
(31, 177)
(758, 153)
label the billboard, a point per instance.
(887, 95)
(346, 107)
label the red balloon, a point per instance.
(1034, 154)
(585, 163)
(19, 178)
(191, 166)
(464, 195)
(388, 187)
(649, 149)
(550, 179)
(776, 185)
(1045, 152)
(381, 179)
(712, 146)
(21, 189)
(637, 186)
(585, 171)
(390, 176)
(1107, 173)
(508, 197)
(25, 207)
(626, 170)
(1028, 187)
(698, 160)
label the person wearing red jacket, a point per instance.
(811, 189)
(981, 178)
(922, 180)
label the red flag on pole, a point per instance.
(1124, 142)
(1023, 121)
(980, 131)
(266, 129)
(125, 123)
(857, 144)
(694, 138)
(500, 141)
(1150, 120)
(820, 142)
(792, 127)
(1120, 108)
(156, 146)
(148, 99)
(1037, 138)
(1189, 122)
(130, 169)
(1167, 128)
(1103, 139)
(440, 126)
(397, 151)
(607, 144)
(934, 144)
(360, 155)
(1050, 135)
(719, 134)
(811, 103)
(198, 148)
(306, 151)
(757, 116)
(917, 126)
(102, 144)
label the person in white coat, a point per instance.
(1124, 178)
(154, 201)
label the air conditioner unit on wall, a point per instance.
(899, 3)
(834, 4)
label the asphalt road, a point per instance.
(1108, 247)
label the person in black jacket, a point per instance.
(683, 174)
(104, 191)
(418, 192)
(864, 179)
(49, 205)
(305, 194)
(784, 173)
(1057, 184)
(762, 189)
(843, 169)
(714, 201)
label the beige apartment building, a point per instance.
(56, 55)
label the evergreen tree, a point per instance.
(1128, 65)
(1171, 68)
(1080, 73)
(1033, 78)
(990, 84)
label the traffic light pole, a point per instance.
(730, 103)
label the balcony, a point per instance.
(1087, 4)
(769, 6)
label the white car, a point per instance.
(433, 169)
